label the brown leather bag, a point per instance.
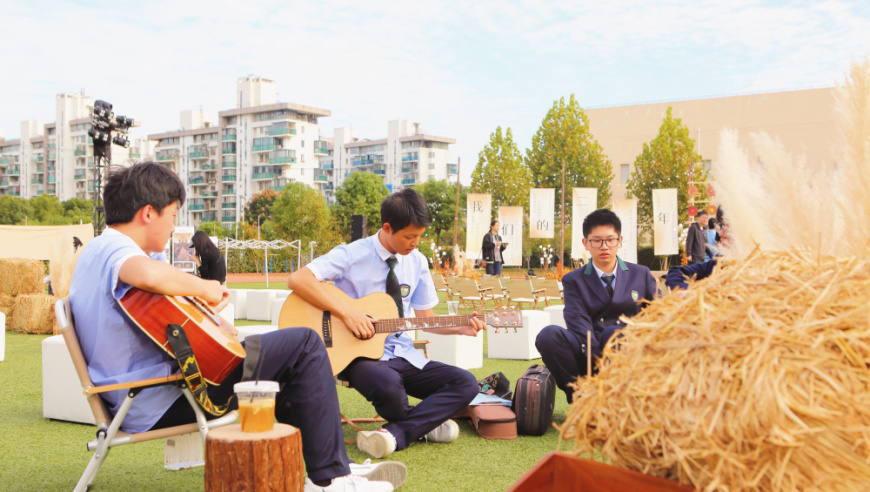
(493, 421)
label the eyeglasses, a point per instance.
(611, 242)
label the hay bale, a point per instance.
(754, 379)
(19, 276)
(33, 313)
(6, 304)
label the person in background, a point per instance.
(492, 249)
(712, 246)
(208, 258)
(696, 241)
(677, 277)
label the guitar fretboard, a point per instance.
(409, 324)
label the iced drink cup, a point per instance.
(256, 405)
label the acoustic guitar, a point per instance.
(212, 339)
(342, 347)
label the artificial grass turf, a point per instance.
(40, 454)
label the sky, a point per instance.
(460, 69)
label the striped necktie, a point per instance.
(393, 288)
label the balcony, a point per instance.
(380, 170)
(409, 169)
(197, 155)
(410, 158)
(52, 157)
(52, 179)
(4, 160)
(268, 175)
(208, 167)
(196, 206)
(135, 154)
(228, 218)
(229, 163)
(52, 169)
(229, 137)
(80, 150)
(320, 147)
(36, 158)
(228, 148)
(209, 216)
(327, 166)
(4, 182)
(281, 129)
(80, 174)
(228, 205)
(208, 193)
(14, 171)
(167, 156)
(196, 180)
(52, 146)
(328, 186)
(229, 192)
(264, 147)
(35, 181)
(39, 192)
(228, 177)
(451, 168)
(282, 157)
(409, 181)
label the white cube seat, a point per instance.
(246, 331)
(229, 314)
(62, 397)
(557, 315)
(277, 305)
(239, 298)
(456, 350)
(519, 344)
(260, 305)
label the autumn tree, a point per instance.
(441, 198)
(360, 194)
(564, 138)
(664, 163)
(501, 172)
(260, 206)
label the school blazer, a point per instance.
(588, 307)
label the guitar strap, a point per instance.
(190, 369)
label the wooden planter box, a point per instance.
(565, 472)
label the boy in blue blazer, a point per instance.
(595, 297)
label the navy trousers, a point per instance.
(443, 389)
(564, 353)
(296, 358)
(493, 267)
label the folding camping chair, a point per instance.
(108, 433)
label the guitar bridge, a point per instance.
(327, 329)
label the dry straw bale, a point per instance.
(6, 304)
(754, 379)
(19, 276)
(33, 313)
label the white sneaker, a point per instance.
(385, 471)
(446, 432)
(379, 443)
(349, 483)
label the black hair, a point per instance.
(493, 223)
(711, 223)
(77, 243)
(702, 212)
(128, 189)
(719, 214)
(202, 243)
(404, 208)
(601, 217)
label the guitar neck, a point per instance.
(410, 324)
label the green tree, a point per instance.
(664, 163)
(501, 172)
(214, 228)
(260, 206)
(13, 210)
(441, 198)
(300, 212)
(564, 138)
(361, 193)
(79, 209)
(48, 210)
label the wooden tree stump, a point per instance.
(261, 461)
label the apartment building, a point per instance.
(404, 158)
(58, 158)
(802, 120)
(261, 144)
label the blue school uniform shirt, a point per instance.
(116, 350)
(360, 268)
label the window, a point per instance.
(431, 165)
(431, 153)
(431, 177)
(302, 142)
(301, 157)
(625, 172)
(708, 165)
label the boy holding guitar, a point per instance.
(141, 204)
(388, 262)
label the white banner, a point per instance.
(511, 220)
(542, 212)
(585, 201)
(479, 215)
(665, 222)
(626, 210)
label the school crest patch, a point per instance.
(634, 296)
(405, 289)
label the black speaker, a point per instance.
(357, 227)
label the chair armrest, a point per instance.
(538, 291)
(484, 289)
(141, 383)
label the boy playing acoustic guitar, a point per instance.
(387, 262)
(141, 204)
